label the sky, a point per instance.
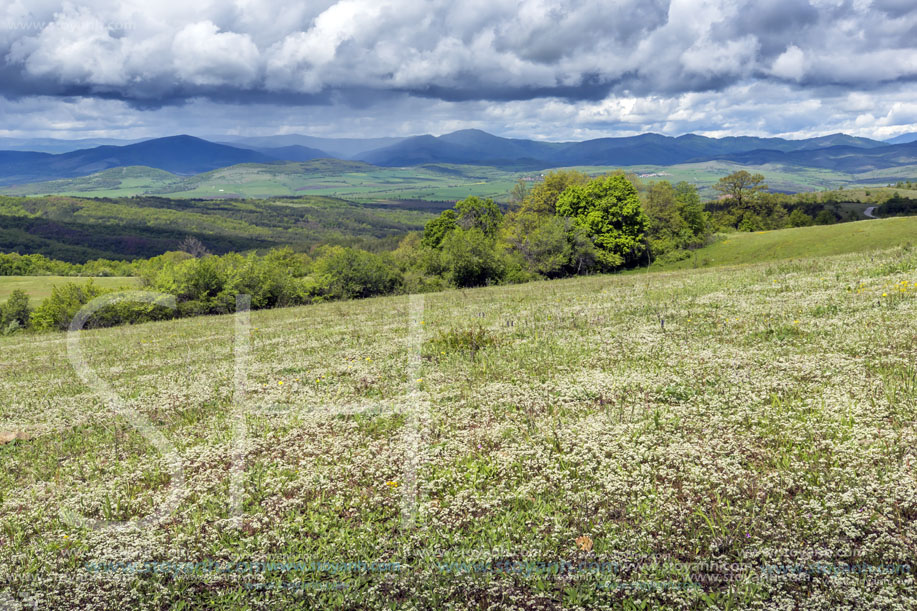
(518, 68)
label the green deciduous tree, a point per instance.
(741, 186)
(825, 217)
(477, 213)
(519, 193)
(798, 218)
(437, 229)
(691, 209)
(540, 241)
(609, 209)
(543, 197)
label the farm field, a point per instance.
(803, 242)
(739, 437)
(39, 287)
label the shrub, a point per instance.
(798, 218)
(471, 258)
(269, 280)
(751, 222)
(898, 205)
(825, 217)
(350, 273)
(418, 282)
(15, 313)
(673, 255)
(201, 279)
(212, 282)
(130, 312)
(58, 310)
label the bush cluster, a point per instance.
(898, 205)
(209, 285)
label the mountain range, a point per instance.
(186, 155)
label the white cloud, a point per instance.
(790, 64)
(587, 65)
(202, 55)
(734, 57)
(76, 47)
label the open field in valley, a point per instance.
(738, 437)
(39, 287)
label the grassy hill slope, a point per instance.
(545, 445)
(803, 242)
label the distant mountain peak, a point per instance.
(470, 130)
(903, 138)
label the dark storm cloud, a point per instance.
(895, 8)
(778, 23)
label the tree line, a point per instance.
(566, 225)
(746, 204)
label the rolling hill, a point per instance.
(79, 229)
(294, 152)
(176, 154)
(741, 248)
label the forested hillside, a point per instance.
(79, 229)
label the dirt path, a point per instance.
(869, 212)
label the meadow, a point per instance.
(732, 437)
(802, 242)
(39, 287)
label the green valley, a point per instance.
(442, 182)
